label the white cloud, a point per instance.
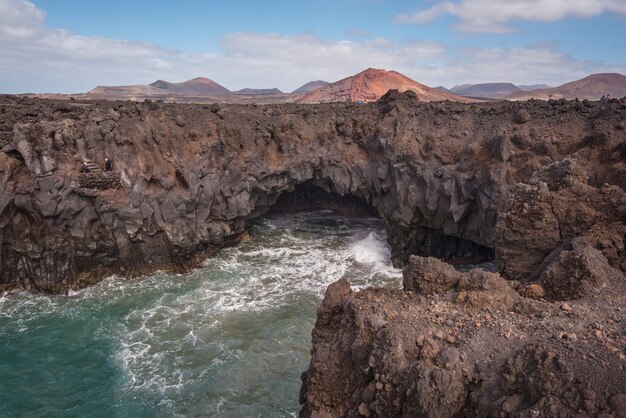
(20, 19)
(37, 58)
(521, 66)
(489, 16)
(276, 60)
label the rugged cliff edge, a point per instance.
(190, 178)
(474, 344)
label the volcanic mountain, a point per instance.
(489, 90)
(310, 86)
(592, 88)
(371, 85)
(531, 87)
(255, 92)
(195, 86)
(124, 92)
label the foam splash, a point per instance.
(229, 338)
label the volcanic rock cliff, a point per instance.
(537, 184)
(190, 178)
(474, 344)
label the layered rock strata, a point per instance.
(193, 177)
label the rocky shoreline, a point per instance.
(193, 177)
(537, 185)
(552, 343)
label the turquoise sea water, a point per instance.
(229, 339)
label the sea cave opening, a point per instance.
(459, 252)
(320, 194)
(314, 195)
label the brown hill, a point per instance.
(160, 89)
(196, 86)
(372, 84)
(256, 92)
(125, 91)
(197, 90)
(486, 90)
(310, 86)
(592, 88)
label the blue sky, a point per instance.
(72, 45)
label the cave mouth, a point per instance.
(315, 195)
(459, 252)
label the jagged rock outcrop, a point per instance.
(193, 177)
(473, 347)
(557, 221)
(549, 342)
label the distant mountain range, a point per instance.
(367, 86)
(491, 90)
(372, 84)
(486, 90)
(199, 89)
(253, 92)
(592, 88)
(532, 87)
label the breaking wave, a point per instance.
(230, 338)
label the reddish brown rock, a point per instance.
(371, 85)
(532, 291)
(429, 275)
(473, 349)
(577, 273)
(543, 217)
(331, 304)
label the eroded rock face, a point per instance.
(476, 344)
(192, 177)
(557, 224)
(472, 343)
(475, 347)
(577, 273)
(428, 276)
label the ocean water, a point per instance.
(229, 339)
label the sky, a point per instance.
(70, 46)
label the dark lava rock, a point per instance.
(192, 178)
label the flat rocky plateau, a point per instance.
(535, 186)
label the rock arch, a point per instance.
(438, 174)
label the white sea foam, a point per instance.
(370, 250)
(227, 324)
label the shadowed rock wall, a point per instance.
(549, 341)
(191, 177)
